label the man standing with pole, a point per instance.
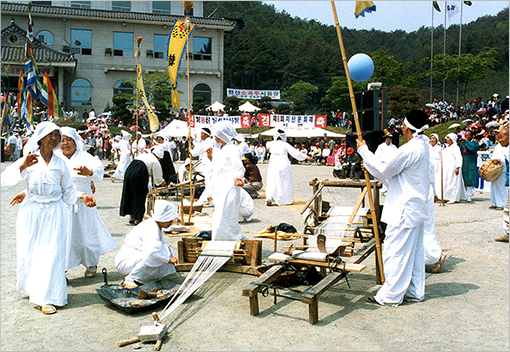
(405, 212)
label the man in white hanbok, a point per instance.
(204, 167)
(453, 183)
(226, 181)
(139, 145)
(386, 150)
(145, 257)
(126, 156)
(42, 223)
(435, 160)
(499, 192)
(89, 237)
(404, 212)
(279, 189)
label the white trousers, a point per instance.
(404, 265)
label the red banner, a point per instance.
(245, 120)
(191, 121)
(320, 121)
(264, 120)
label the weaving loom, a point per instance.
(210, 260)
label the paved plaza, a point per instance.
(466, 306)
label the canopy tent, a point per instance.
(248, 107)
(247, 135)
(176, 128)
(303, 132)
(216, 106)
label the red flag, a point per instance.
(20, 93)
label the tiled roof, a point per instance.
(14, 52)
(107, 14)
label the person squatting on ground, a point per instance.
(42, 223)
(405, 211)
(145, 257)
(252, 177)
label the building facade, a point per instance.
(98, 40)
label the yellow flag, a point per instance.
(176, 46)
(363, 7)
(153, 119)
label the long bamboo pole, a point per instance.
(138, 41)
(191, 188)
(358, 131)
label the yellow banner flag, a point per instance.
(153, 119)
(176, 46)
(363, 7)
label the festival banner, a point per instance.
(307, 121)
(153, 118)
(253, 93)
(176, 47)
(245, 120)
(54, 108)
(264, 120)
(320, 121)
(199, 121)
(190, 119)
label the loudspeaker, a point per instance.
(372, 138)
(371, 106)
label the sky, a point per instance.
(389, 15)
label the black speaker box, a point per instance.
(372, 138)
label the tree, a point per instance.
(301, 94)
(463, 68)
(390, 72)
(198, 105)
(120, 110)
(231, 104)
(337, 97)
(401, 99)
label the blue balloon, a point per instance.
(361, 67)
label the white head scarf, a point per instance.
(126, 135)
(72, 133)
(117, 138)
(159, 151)
(437, 138)
(453, 137)
(225, 131)
(42, 130)
(164, 211)
(281, 134)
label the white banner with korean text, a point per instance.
(253, 93)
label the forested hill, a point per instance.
(271, 50)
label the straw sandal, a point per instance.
(47, 309)
(439, 265)
(91, 273)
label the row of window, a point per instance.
(158, 7)
(123, 44)
(81, 91)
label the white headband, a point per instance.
(418, 130)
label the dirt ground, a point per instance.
(466, 305)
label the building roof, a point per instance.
(9, 7)
(13, 49)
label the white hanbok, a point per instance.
(386, 152)
(405, 210)
(432, 248)
(144, 255)
(205, 167)
(124, 161)
(89, 237)
(435, 160)
(139, 147)
(279, 188)
(42, 228)
(499, 193)
(226, 166)
(246, 206)
(453, 185)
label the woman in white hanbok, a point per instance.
(453, 183)
(89, 238)
(435, 160)
(42, 223)
(279, 171)
(126, 156)
(226, 182)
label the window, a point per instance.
(81, 41)
(122, 44)
(202, 48)
(81, 4)
(202, 90)
(160, 46)
(81, 92)
(124, 6)
(45, 37)
(122, 87)
(41, 3)
(162, 7)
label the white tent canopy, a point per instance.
(248, 107)
(216, 106)
(176, 128)
(303, 132)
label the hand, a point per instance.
(363, 167)
(30, 159)
(84, 171)
(93, 187)
(309, 158)
(360, 142)
(163, 184)
(457, 171)
(496, 161)
(209, 152)
(239, 181)
(88, 200)
(18, 198)
(173, 260)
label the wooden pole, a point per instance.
(358, 131)
(138, 41)
(191, 188)
(442, 199)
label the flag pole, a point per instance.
(444, 45)
(375, 223)
(460, 46)
(432, 55)
(137, 54)
(191, 187)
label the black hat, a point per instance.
(417, 119)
